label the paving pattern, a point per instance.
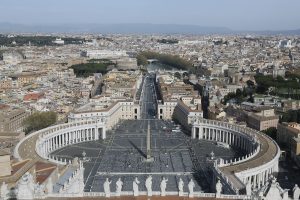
(122, 155)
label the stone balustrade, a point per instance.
(155, 193)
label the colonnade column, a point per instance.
(194, 132)
(51, 144)
(254, 181)
(64, 139)
(95, 136)
(200, 132)
(103, 132)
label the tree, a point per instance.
(87, 69)
(250, 84)
(141, 60)
(39, 120)
(271, 132)
(291, 116)
(238, 92)
(166, 59)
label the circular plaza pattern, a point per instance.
(214, 150)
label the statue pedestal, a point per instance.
(148, 160)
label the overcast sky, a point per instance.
(233, 14)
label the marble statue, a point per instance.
(39, 190)
(25, 187)
(248, 188)
(30, 181)
(163, 186)
(260, 195)
(135, 186)
(4, 191)
(106, 187)
(285, 194)
(180, 187)
(49, 186)
(148, 185)
(119, 185)
(218, 189)
(273, 190)
(191, 187)
(296, 192)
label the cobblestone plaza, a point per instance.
(122, 156)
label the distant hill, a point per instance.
(131, 28)
(112, 28)
(280, 32)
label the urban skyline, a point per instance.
(149, 100)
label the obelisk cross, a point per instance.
(149, 158)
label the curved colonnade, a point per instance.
(260, 161)
(262, 152)
(55, 137)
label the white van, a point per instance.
(221, 144)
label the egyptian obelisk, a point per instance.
(149, 157)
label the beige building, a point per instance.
(288, 134)
(287, 131)
(110, 112)
(165, 110)
(11, 120)
(295, 148)
(27, 78)
(120, 84)
(216, 112)
(179, 101)
(117, 101)
(185, 113)
(262, 119)
(6, 83)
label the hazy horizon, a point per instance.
(252, 15)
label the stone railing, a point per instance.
(240, 159)
(154, 193)
(221, 175)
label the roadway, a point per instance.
(148, 98)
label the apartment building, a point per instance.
(117, 101)
(288, 135)
(11, 119)
(179, 101)
(262, 118)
